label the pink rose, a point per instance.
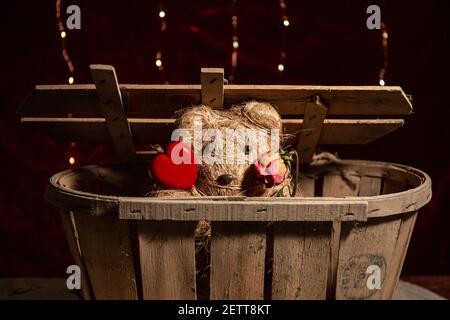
(271, 169)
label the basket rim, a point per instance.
(238, 208)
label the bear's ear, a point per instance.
(192, 116)
(263, 114)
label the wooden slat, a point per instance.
(112, 109)
(229, 210)
(160, 101)
(212, 87)
(107, 253)
(164, 100)
(301, 256)
(167, 259)
(367, 243)
(237, 260)
(70, 230)
(309, 136)
(335, 186)
(398, 257)
(335, 131)
(300, 260)
(370, 243)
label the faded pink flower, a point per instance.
(270, 169)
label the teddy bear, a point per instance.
(237, 151)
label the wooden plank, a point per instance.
(309, 136)
(301, 255)
(284, 210)
(335, 186)
(106, 248)
(167, 259)
(401, 247)
(237, 260)
(300, 260)
(70, 230)
(212, 80)
(335, 131)
(364, 244)
(164, 100)
(112, 109)
(349, 100)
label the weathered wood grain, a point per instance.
(107, 253)
(230, 210)
(335, 131)
(167, 260)
(164, 100)
(111, 105)
(336, 186)
(237, 260)
(401, 247)
(212, 80)
(309, 136)
(379, 241)
(70, 230)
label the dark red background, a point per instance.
(328, 44)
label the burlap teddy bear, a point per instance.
(239, 149)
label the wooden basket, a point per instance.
(352, 214)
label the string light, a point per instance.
(286, 24)
(159, 62)
(384, 37)
(63, 36)
(235, 41)
(71, 80)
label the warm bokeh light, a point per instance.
(63, 34)
(281, 67)
(71, 80)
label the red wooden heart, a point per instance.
(169, 170)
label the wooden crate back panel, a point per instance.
(165, 100)
(335, 131)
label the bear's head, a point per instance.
(239, 149)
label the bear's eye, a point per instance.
(247, 149)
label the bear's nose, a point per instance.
(225, 179)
